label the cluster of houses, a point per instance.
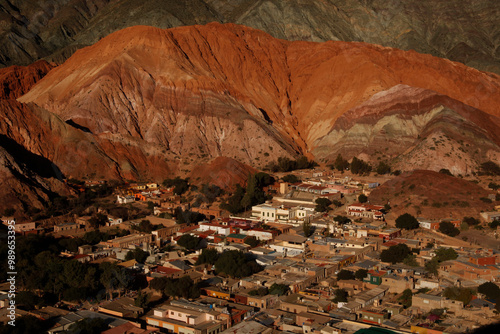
(307, 265)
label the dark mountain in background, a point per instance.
(467, 31)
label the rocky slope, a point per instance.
(418, 128)
(460, 30)
(432, 195)
(223, 172)
(229, 90)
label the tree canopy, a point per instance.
(208, 255)
(279, 289)
(322, 204)
(236, 264)
(395, 254)
(490, 290)
(345, 275)
(360, 274)
(137, 254)
(188, 241)
(448, 229)
(445, 254)
(407, 222)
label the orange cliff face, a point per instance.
(154, 84)
(18, 80)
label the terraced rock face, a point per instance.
(460, 30)
(149, 103)
(418, 128)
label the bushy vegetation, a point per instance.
(345, 275)
(360, 274)
(461, 294)
(322, 204)
(407, 222)
(137, 254)
(188, 217)
(279, 289)
(406, 298)
(180, 185)
(489, 168)
(445, 254)
(290, 178)
(188, 241)
(340, 296)
(395, 254)
(360, 167)
(285, 164)
(490, 290)
(448, 229)
(243, 199)
(236, 264)
(182, 287)
(383, 168)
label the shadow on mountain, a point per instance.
(36, 163)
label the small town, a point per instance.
(295, 252)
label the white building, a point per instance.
(220, 229)
(281, 213)
(125, 199)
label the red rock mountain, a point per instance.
(144, 102)
(151, 83)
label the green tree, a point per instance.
(279, 289)
(322, 204)
(448, 229)
(97, 220)
(383, 168)
(411, 260)
(359, 166)
(406, 298)
(180, 185)
(345, 275)
(445, 254)
(142, 299)
(307, 229)
(340, 296)
(208, 255)
(471, 221)
(137, 254)
(432, 266)
(407, 222)
(236, 264)
(490, 290)
(360, 274)
(395, 254)
(461, 294)
(188, 241)
(494, 186)
(489, 168)
(362, 198)
(26, 324)
(290, 178)
(233, 203)
(340, 164)
(252, 241)
(445, 171)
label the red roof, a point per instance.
(189, 228)
(166, 270)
